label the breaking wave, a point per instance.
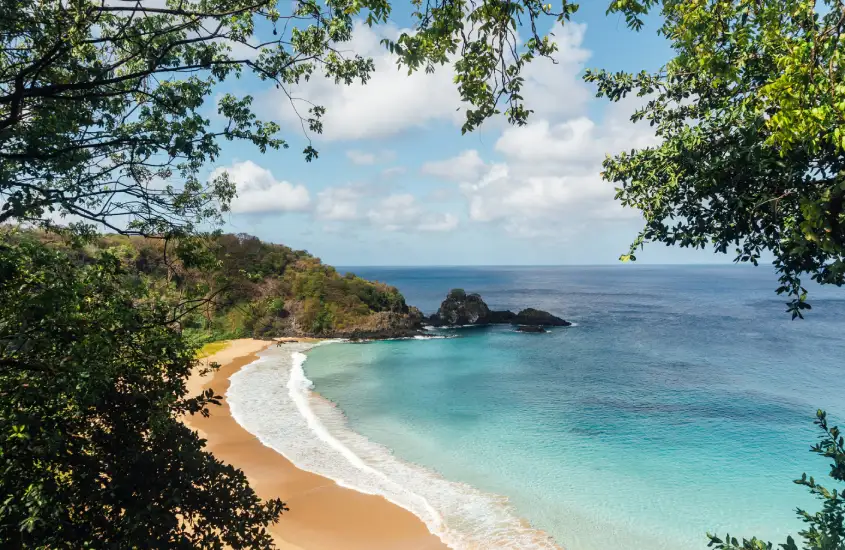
(273, 399)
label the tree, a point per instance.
(100, 100)
(92, 385)
(825, 530)
(751, 119)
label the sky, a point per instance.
(397, 184)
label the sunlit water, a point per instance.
(681, 403)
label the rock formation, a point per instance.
(530, 328)
(461, 309)
(531, 316)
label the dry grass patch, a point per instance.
(211, 348)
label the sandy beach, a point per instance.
(323, 515)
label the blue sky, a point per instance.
(397, 184)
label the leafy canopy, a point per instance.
(101, 101)
(750, 114)
(92, 386)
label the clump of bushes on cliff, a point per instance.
(274, 291)
(253, 288)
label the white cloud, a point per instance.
(443, 194)
(439, 223)
(466, 166)
(544, 178)
(338, 203)
(241, 50)
(549, 169)
(549, 172)
(402, 212)
(258, 191)
(576, 144)
(504, 193)
(391, 101)
(393, 171)
(360, 157)
(365, 158)
(359, 204)
(555, 88)
(549, 175)
(538, 143)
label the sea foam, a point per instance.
(273, 399)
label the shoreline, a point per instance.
(323, 515)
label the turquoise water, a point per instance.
(681, 402)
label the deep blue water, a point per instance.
(681, 403)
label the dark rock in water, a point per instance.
(536, 317)
(530, 328)
(501, 317)
(460, 308)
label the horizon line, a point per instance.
(711, 264)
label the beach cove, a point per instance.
(323, 515)
(489, 438)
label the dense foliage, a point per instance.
(751, 117)
(92, 385)
(241, 286)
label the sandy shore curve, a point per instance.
(323, 515)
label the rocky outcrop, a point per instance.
(502, 317)
(385, 334)
(462, 309)
(393, 325)
(537, 317)
(530, 328)
(376, 326)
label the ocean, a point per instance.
(680, 402)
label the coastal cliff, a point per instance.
(277, 291)
(250, 288)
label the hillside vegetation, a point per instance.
(246, 287)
